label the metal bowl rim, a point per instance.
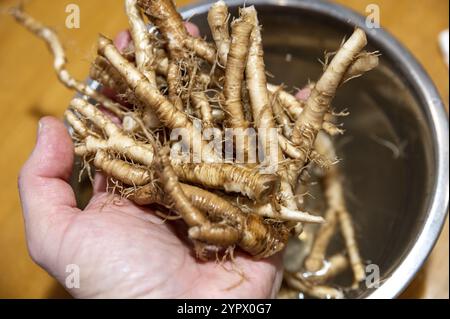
(437, 121)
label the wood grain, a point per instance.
(29, 91)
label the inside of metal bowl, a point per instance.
(386, 153)
(387, 149)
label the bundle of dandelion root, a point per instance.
(170, 85)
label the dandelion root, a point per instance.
(172, 85)
(234, 72)
(218, 23)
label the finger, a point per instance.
(123, 40)
(99, 186)
(192, 29)
(303, 94)
(46, 196)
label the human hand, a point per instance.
(121, 249)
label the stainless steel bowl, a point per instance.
(395, 151)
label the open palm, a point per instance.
(120, 249)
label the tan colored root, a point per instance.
(334, 266)
(162, 66)
(164, 15)
(59, 63)
(215, 207)
(144, 56)
(218, 23)
(287, 101)
(234, 71)
(104, 73)
(317, 105)
(117, 140)
(190, 214)
(174, 85)
(362, 63)
(91, 145)
(286, 214)
(332, 129)
(167, 113)
(281, 118)
(121, 170)
(348, 232)
(231, 178)
(290, 103)
(262, 240)
(201, 48)
(141, 39)
(201, 104)
(165, 216)
(200, 227)
(274, 211)
(254, 235)
(296, 153)
(296, 281)
(316, 258)
(365, 62)
(218, 211)
(76, 124)
(170, 24)
(311, 119)
(260, 102)
(294, 108)
(286, 194)
(220, 235)
(288, 148)
(257, 85)
(162, 69)
(334, 192)
(259, 96)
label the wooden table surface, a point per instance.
(29, 90)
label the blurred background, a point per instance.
(29, 90)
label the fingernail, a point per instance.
(41, 127)
(122, 40)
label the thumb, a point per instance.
(46, 196)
